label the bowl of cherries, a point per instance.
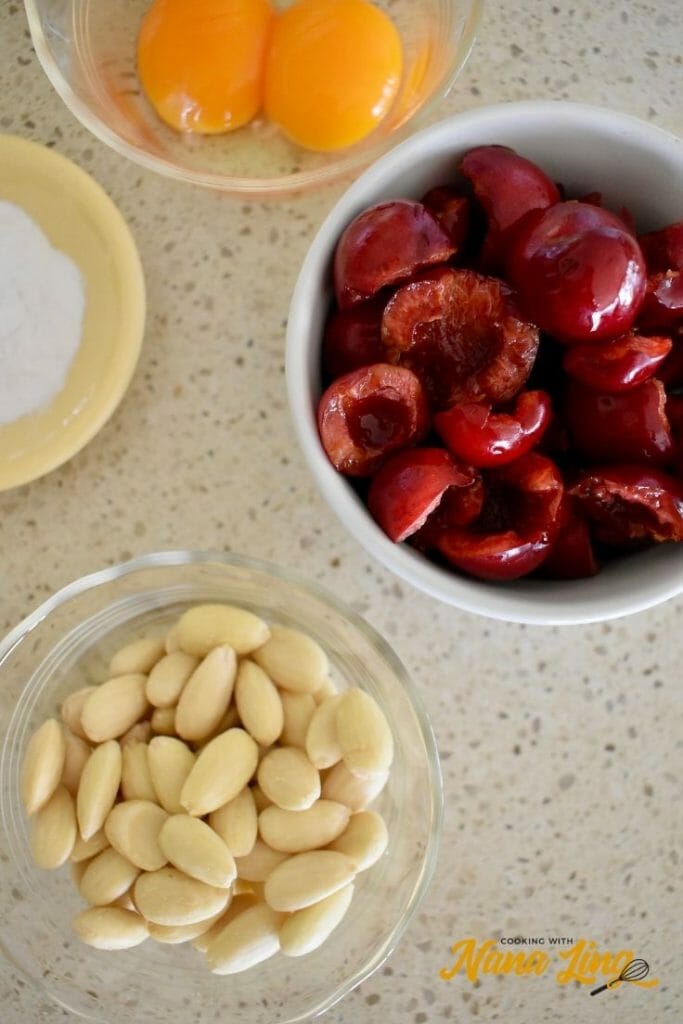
(485, 362)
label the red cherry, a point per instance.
(630, 504)
(353, 338)
(616, 365)
(523, 506)
(627, 427)
(386, 244)
(663, 249)
(460, 332)
(487, 439)
(508, 186)
(452, 210)
(410, 485)
(366, 415)
(579, 272)
(671, 371)
(459, 506)
(571, 556)
(662, 309)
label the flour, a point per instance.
(42, 300)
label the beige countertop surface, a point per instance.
(561, 748)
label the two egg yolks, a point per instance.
(325, 71)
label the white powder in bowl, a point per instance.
(42, 300)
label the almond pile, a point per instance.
(213, 790)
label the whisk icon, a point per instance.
(634, 970)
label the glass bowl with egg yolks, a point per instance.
(94, 54)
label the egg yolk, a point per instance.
(333, 69)
(201, 62)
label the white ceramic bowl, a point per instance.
(588, 149)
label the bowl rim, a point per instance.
(81, 200)
(176, 558)
(255, 188)
(528, 602)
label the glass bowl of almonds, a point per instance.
(219, 791)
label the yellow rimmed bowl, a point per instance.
(79, 219)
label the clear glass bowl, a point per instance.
(64, 645)
(87, 49)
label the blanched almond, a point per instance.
(229, 720)
(353, 790)
(99, 785)
(236, 822)
(222, 770)
(170, 763)
(107, 876)
(87, 849)
(125, 901)
(290, 780)
(72, 706)
(54, 830)
(328, 689)
(42, 766)
(138, 656)
(136, 778)
(364, 734)
(242, 887)
(206, 695)
(259, 862)
(193, 847)
(172, 640)
(261, 801)
(293, 660)
(78, 869)
(322, 743)
(76, 753)
(298, 710)
(364, 840)
(174, 934)
(247, 940)
(163, 722)
(110, 928)
(168, 677)
(169, 897)
(258, 703)
(307, 878)
(237, 906)
(307, 929)
(296, 831)
(133, 828)
(141, 732)
(210, 625)
(114, 707)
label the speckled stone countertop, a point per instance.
(561, 748)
